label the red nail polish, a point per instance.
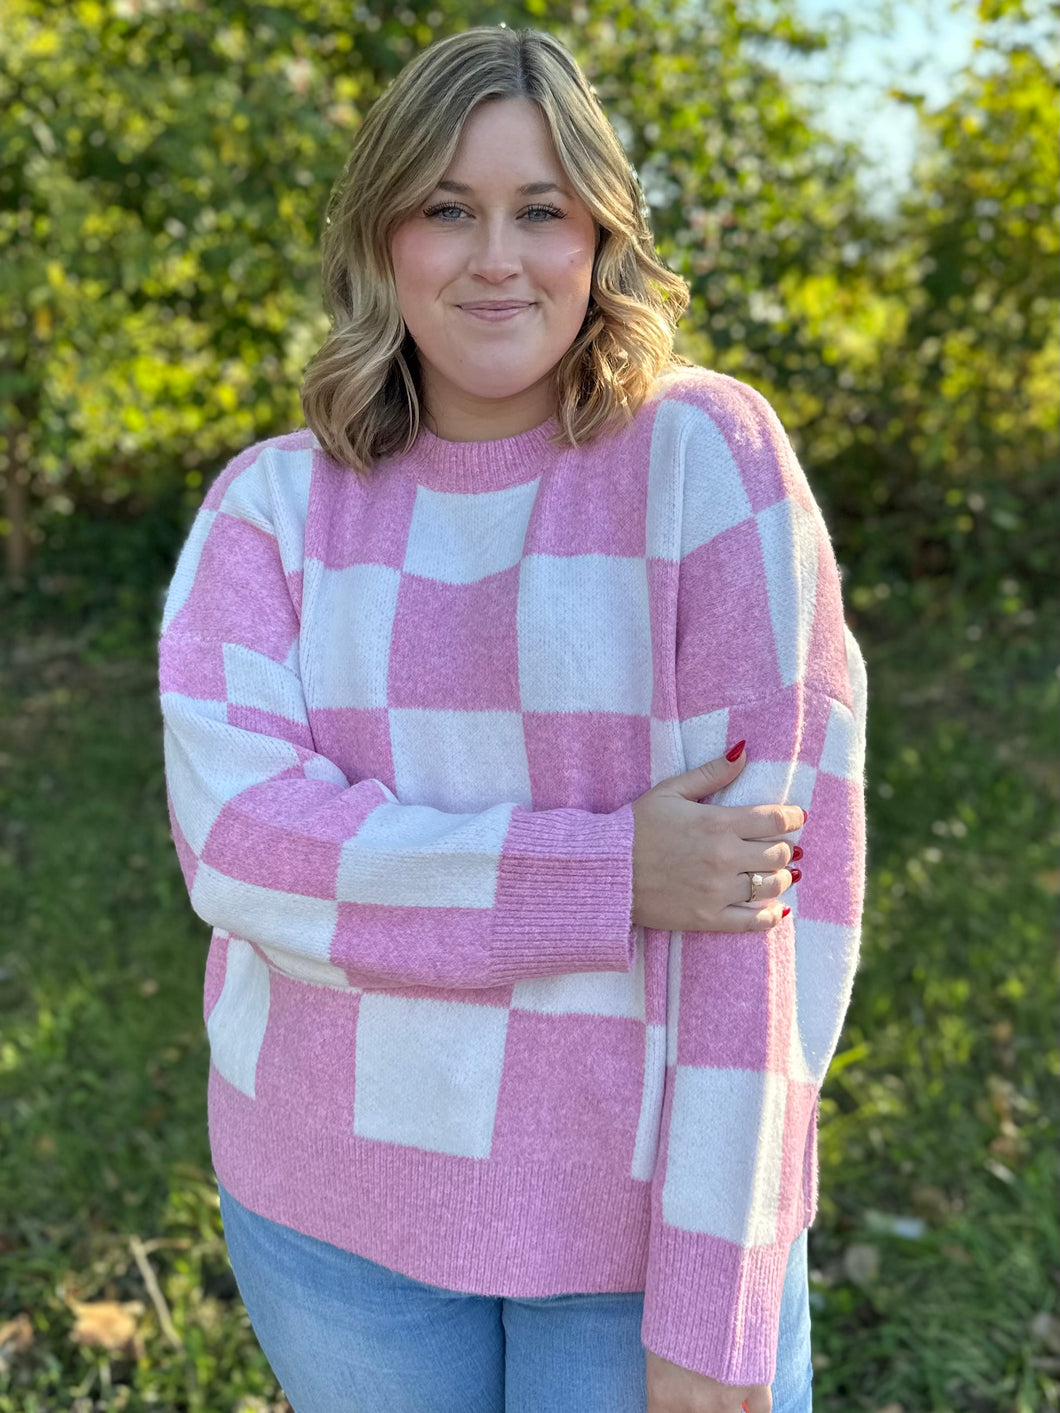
(805, 816)
(796, 874)
(734, 754)
(796, 853)
(784, 914)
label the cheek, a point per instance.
(416, 264)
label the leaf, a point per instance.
(107, 1324)
(16, 1336)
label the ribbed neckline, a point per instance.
(481, 466)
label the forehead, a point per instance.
(506, 137)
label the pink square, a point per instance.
(240, 592)
(800, 1115)
(600, 759)
(662, 600)
(755, 437)
(357, 740)
(595, 503)
(396, 945)
(725, 1020)
(571, 1086)
(305, 1073)
(826, 662)
(770, 728)
(353, 522)
(257, 838)
(725, 648)
(214, 980)
(656, 974)
(833, 839)
(455, 646)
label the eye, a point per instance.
(551, 211)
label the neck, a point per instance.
(455, 416)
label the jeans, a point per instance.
(345, 1335)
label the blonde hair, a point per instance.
(361, 392)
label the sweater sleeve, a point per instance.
(279, 848)
(753, 1020)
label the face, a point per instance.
(479, 239)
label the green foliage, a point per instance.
(164, 170)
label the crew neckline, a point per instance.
(481, 466)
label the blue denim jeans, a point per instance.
(345, 1335)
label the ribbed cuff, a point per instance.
(564, 895)
(714, 1307)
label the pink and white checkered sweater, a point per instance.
(405, 721)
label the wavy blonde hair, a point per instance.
(362, 391)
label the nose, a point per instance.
(494, 252)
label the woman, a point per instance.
(516, 1043)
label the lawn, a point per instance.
(935, 1256)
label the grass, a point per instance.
(939, 1119)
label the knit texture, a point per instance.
(405, 722)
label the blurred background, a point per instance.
(864, 200)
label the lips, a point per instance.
(498, 304)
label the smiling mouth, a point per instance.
(495, 314)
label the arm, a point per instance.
(279, 848)
(762, 654)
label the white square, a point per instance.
(236, 1025)
(843, 752)
(788, 534)
(714, 496)
(348, 620)
(428, 1073)
(461, 537)
(586, 993)
(187, 566)
(192, 734)
(771, 782)
(662, 529)
(584, 634)
(723, 1161)
(312, 970)
(825, 962)
(667, 757)
(646, 1147)
(288, 920)
(705, 737)
(289, 475)
(459, 760)
(254, 680)
(673, 994)
(417, 857)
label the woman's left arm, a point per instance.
(753, 1020)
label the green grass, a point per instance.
(941, 1105)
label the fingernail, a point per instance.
(796, 874)
(784, 914)
(734, 754)
(796, 853)
(805, 816)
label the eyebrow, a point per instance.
(530, 189)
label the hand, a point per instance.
(672, 1389)
(691, 861)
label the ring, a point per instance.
(756, 883)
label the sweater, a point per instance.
(405, 720)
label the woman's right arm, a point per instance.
(279, 848)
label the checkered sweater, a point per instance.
(405, 721)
